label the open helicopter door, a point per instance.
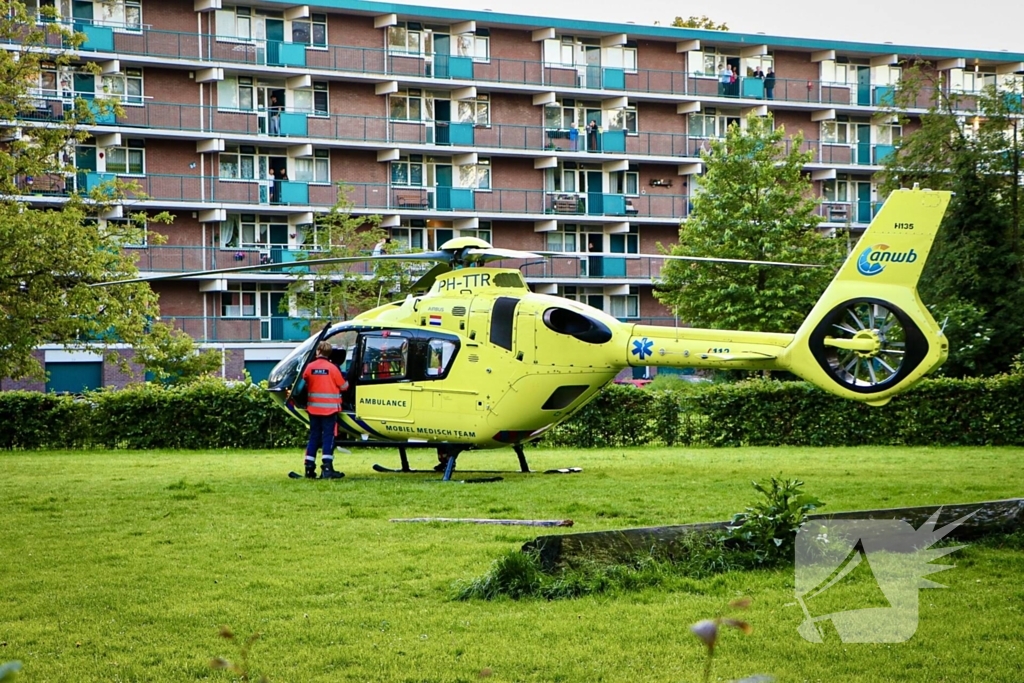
(299, 392)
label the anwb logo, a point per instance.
(863, 577)
(871, 260)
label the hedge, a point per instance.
(216, 414)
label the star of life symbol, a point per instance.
(880, 563)
(642, 348)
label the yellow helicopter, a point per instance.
(478, 361)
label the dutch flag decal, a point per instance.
(435, 319)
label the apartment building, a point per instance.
(532, 133)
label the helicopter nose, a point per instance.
(283, 376)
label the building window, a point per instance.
(625, 242)
(312, 31)
(311, 100)
(625, 305)
(407, 105)
(122, 14)
(408, 170)
(408, 37)
(836, 191)
(709, 62)
(624, 182)
(409, 237)
(836, 132)
(126, 86)
(623, 119)
(712, 123)
(477, 46)
(236, 93)
(483, 232)
(620, 57)
(249, 231)
(315, 170)
(564, 239)
(888, 134)
(247, 300)
(477, 112)
(963, 81)
(127, 160)
(126, 232)
(235, 23)
(238, 163)
(477, 176)
(591, 296)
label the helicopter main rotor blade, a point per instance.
(707, 259)
(424, 256)
(496, 253)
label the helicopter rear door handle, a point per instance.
(410, 387)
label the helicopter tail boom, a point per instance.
(868, 337)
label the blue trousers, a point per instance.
(321, 435)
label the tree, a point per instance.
(339, 291)
(754, 202)
(974, 277)
(703, 21)
(172, 357)
(50, 257)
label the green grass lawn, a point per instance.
(121, 566)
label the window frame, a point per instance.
(127, 148)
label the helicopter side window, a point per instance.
(439, 357)
(384, 358)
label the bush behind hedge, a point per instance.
(216, 414)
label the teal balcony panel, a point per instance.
(460, 67)
(283, 255)
(614, 266)
(292, 54)
(885, 95)
(292, 192)
(614, 205)
(103, 115)
(614, 79)
(1014, 102)
(289, 329)
(294, 124)
(614, 141)
(882, 153)
(595, 204)
(91, 180)
(97, 38)
(461, 133)
(752, 88)
(462, 199)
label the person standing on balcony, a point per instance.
(325, 384)
(275, 116)
(769, 84)
(724, 78)
(592, 137)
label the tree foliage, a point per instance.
(703, 21)
(753, 203)
(974, 277)
(172, 357)
(340, 291)
(52, 256)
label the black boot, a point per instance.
(327, 471)
(310, 469)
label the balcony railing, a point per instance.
(382, 198)
(385, 132)
(362, 62)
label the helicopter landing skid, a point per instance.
(448, 466)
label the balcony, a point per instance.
(365, 63)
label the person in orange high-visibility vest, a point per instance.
(325, 383)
